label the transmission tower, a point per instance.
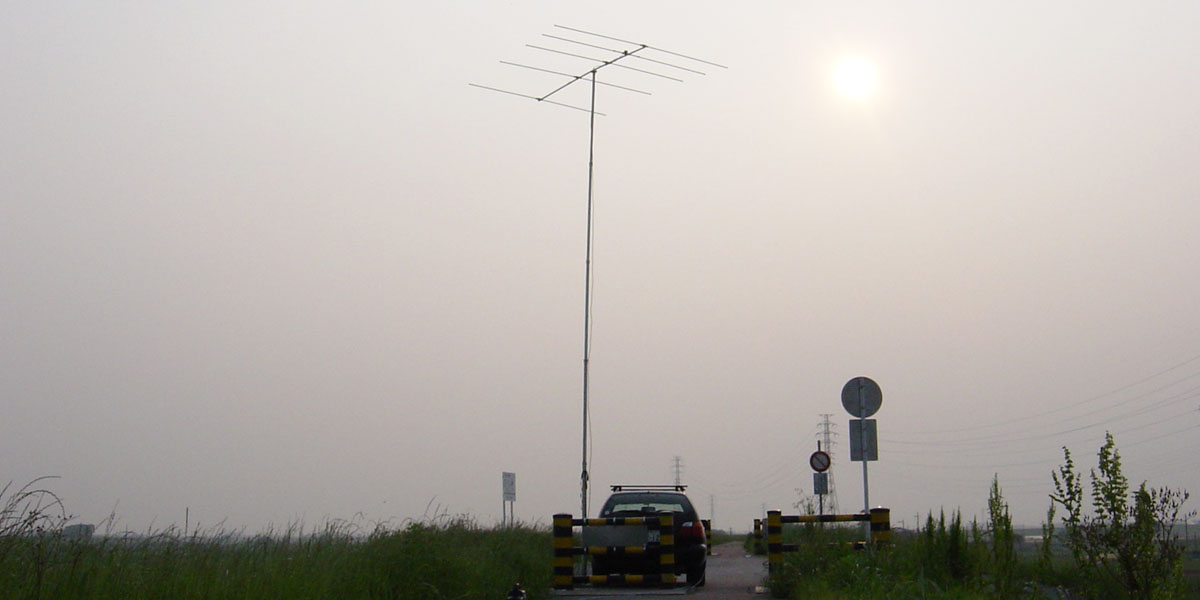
(677, 466)
(828, 437)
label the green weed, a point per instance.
(440, 558)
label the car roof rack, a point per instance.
(648, 488)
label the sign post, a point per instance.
(861, 397)
(820, 461)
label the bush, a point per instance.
(1127, 547)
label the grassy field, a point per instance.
(916, 566)
(446, 558)
(432, 559)
(438, 558)
(455, 558)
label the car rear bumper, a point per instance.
(690, 558)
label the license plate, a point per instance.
(652, 536)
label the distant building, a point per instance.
(79, 531)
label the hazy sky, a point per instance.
(278, 262)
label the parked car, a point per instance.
(691, 545)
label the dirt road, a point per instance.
(731, 575)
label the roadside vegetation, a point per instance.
(440, 558)
(1111, 544)
(1115, 542)
(445, 557)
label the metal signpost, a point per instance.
(820, 461)
(861, 397)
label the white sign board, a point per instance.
(510, 487)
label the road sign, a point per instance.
(821, 484)
(819, 461)
(861, 397)
(509, 481)
(864, 444)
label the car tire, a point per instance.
(696, 576)
(599, 566)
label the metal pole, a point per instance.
(866, 501)
(820, 497)
(862, 410)
(616, 55)
(587, 304)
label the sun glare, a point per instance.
(856, 78)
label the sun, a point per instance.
(856, 78)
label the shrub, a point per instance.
(1127, 546)
(1003, 549)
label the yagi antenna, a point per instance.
(651, 60)
(601, 56)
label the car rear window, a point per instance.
(637, 504)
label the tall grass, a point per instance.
(458, 559)
(433, 559)
(946, 560)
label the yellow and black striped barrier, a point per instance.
(708, 534)
(565, 551)
(879, 518)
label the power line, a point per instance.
(1089, 400)
(1186, 396)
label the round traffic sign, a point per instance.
(819, 461)
(861, 397)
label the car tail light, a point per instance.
(692, 529)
